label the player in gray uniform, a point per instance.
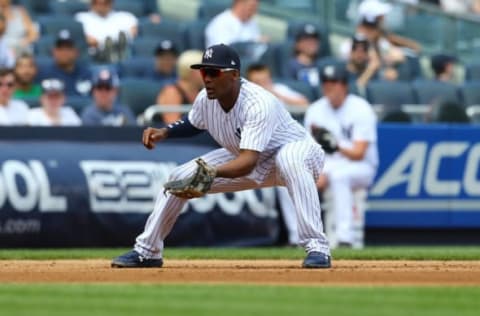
(263, 146)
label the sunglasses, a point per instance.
(8, 84)
(214, 72)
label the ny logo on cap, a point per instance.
(329, 70)
(208, 54)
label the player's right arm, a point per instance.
(179, 129)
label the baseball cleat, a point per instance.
(317, 260)
(133, 259)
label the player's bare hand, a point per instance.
(153, 135)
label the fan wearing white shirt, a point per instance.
(53, 112)
(236, 24)
(12, 112)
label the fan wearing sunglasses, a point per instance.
(12, 112)
(262, 146)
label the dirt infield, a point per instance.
(346, 272)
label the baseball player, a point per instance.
(351, 141)
(262, 146)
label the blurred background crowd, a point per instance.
(104, 62)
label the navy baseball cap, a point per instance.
(334, 72)
(439, 61)
(64, 38)
(166, 46)
(105, 77)
(308, 30)
(219, 56)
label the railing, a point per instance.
(416, 111)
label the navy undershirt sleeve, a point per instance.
(182, 128)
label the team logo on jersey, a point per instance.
(238, 133)
(208, 54)
(347, 131)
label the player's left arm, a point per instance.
(240, 166)
(363, 134)
(356, 152)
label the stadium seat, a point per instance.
(429, 25)
(431, 91)
(301, 87)
(294, 26)
(304, 5)
(208, 10)
(43, 46)
(134, 7)
(472, 71)
(78, 103)
(391, 94)
(37, 8)
(139, 94)
(165, 29)
(410, 69)
(194, 34)
(62, 7)
(137, 67)
(471, 93)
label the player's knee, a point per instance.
(177, 173)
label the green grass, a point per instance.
(235, 300)
(369, 253)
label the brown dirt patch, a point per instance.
(346, 272)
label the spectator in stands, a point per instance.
(166, 55)
(261, 75)
(391, 48)
(443, 67)
(352, 160)
(53, 111)
(25, 74)
(236, 24)
(7, 58)
(105, 110)
(186, 88)
(66, 67)
(107, 31)
(363, 62)
(12, 112)
(20, 32)
(461, 7)
(303, 65)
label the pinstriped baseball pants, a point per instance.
(297, 166)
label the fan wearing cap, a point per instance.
(443, 66)
(12, 111)
(53, 111)
(363, 62)
(166, 55)
(67, 67)
(302, 65)
(353, 162)
(261, 146)
(104, 110)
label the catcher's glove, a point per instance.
(194, 186)
(325, 139)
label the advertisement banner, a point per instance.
(74, 193)
(428, 177)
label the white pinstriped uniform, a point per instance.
(288, 157)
